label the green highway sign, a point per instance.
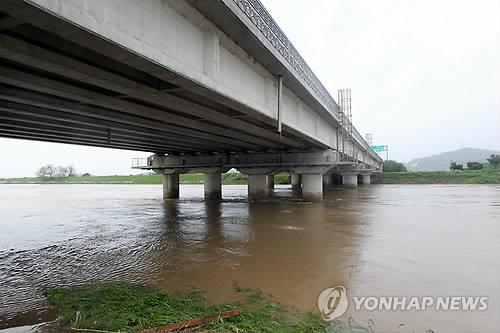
(378, 148)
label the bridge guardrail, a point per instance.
(140, 162)
(261, 18)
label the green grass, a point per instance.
(487, 175)
(129, 308)
(484, 176)
(189, 178)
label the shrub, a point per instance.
(394, 166)
(474, 166)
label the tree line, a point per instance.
(395, 166)
(493, 160)
(52, 171)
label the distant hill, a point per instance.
(442, 161)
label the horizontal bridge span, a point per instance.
(178, 79)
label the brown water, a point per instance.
(392, 240)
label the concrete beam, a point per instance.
(122, 111)
(312, 187)
(38, 115)
(20, 51)
(250, 163)
(89, 38)
(170, 186)
(75, 141)
(36, 124)
(8, 23)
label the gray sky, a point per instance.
(425, 77)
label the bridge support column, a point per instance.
(327, 179)
(350, 179)
(170, 186)
(296, 181)
(257, 181)
(212, 186)
(365, 179)
(270, 182)
(336, 179)
(312, 187)
(257, 187)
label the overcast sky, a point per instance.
(425, 77)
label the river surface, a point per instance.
(378, 240)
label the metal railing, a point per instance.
(140, 163)
(261, 18)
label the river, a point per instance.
(378, 240)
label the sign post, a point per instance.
(381, 149)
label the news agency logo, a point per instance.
(333, 303)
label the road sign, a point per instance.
(378, 148)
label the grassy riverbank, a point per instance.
(123, 307)
(484, 176)
(190, 178)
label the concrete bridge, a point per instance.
(205, 85)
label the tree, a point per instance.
(494, 160)
(62, 172)
(48, 170)
(71, 170)
(51, 171)
(393, 166)
(474, 165)
(454, 166)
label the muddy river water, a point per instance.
(378, 240)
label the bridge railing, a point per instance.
(261, 18)
(140, 163)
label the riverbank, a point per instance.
(190, 178)
(484, 176)
(120, 307)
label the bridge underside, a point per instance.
(57, 84)
(75, 72)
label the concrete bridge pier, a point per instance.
(170, 186)
(336, 179)
(212, 181)
(258, 186)
(212, 186)
(312, 181)
(296, 180)
(350, 179)
(270, 182)
(365, 178)
(312, 187)
(327, 179)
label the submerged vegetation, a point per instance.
(120, 307)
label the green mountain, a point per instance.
(442, 161)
